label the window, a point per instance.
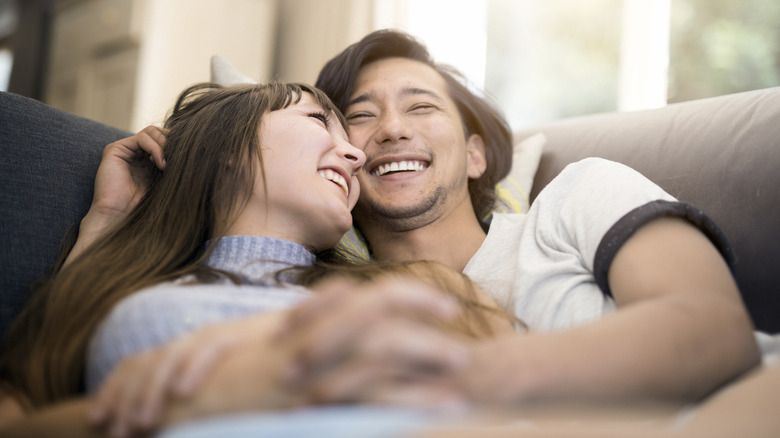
(8, 23)
(551, 59)
(723, 46)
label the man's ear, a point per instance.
(475, 154)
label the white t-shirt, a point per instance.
(543, 265)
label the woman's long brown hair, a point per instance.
(212, 155)
(479, 317)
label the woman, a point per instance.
(257, 178)
(214, 186)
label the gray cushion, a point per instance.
(48, 165)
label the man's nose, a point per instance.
(393, 127)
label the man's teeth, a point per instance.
(336, 178)
(400, 166)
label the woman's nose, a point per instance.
(355, 156)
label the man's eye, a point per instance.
(421, 107)
(357, 116)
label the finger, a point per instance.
(144, 143)
(385, 296)
(122, 415)
(328, 297)
(334, 334)
(400, 347)
(347, 384)
(99, 408)
(157, 133)
(380, 384)
(104, 403)
(150, 146)
(414, 345)
(438, 394)
(159, 385)
(198, 367)
(155, 144)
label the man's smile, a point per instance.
(399, 166)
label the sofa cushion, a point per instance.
(49, 162)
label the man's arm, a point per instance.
(680, 332)
(121, 181)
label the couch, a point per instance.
(721, 154)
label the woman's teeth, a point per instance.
(335, 177)
(400, 166)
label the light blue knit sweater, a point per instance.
(166, 311)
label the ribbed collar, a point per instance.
(255, 259)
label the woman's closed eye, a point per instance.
(321, 116)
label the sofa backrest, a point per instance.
(47, 170)
(720, 154)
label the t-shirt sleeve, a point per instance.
(626, 226)
(576, 209)
(594, 206)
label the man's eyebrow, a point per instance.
(362, 98)
(414, 91)
(407, 91)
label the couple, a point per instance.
(600, 259)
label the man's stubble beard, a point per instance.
(372, 214)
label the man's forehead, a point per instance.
(397, 77)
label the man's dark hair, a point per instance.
(479, 114)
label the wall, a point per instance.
(179, 38)
(123, 62)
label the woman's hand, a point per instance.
(133, 398)
(121, 180)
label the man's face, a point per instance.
(418, 157)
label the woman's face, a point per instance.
(311, 183)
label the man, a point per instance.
(679, 332)
(599, 238)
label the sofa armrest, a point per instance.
(720, 154)
(47, 172)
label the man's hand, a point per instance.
(375, 345)
(121, 180)
(125, 170)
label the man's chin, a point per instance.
(401, 215)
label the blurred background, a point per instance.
(122, 62)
